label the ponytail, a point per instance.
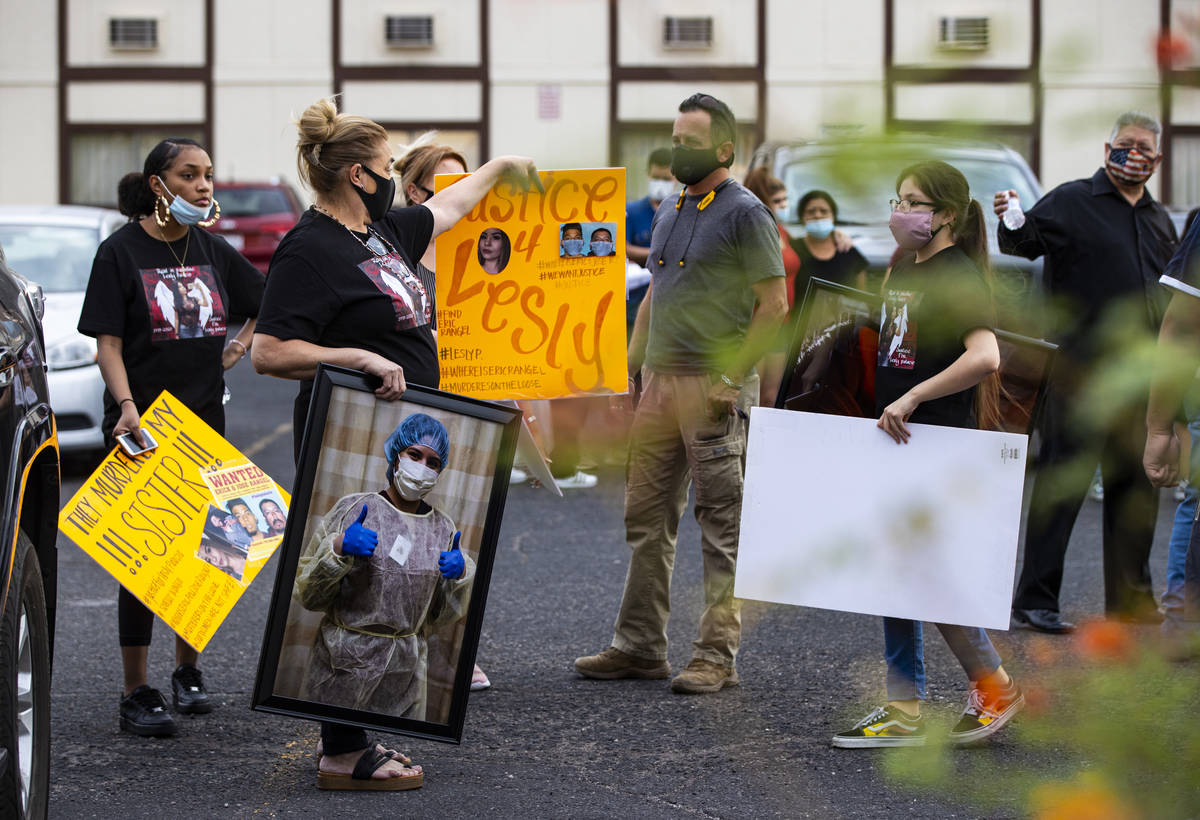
(134, 197)
(971, 237)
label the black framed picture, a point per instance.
(834, 344)
(385, 563)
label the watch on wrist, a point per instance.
(730, 382)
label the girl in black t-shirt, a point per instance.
(160, 294)
(940, 368)
(343, 289)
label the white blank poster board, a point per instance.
(836, 515)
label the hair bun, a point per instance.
(318, 122)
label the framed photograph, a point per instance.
(369, 625)
(834, 344)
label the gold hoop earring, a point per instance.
(212, 220)
(162, 221)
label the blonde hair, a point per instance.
(421, 159)
(330, 141)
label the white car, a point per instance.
(53, 245)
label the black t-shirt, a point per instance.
(328, 288)
(928, 309)
(171, 319)
(841, 268)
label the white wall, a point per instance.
(180, 31)
(1009, 32)
(641, 32)
(272, 61)
(28, 74)
(455, 32)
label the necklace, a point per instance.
(375, 242)
(186, 245)
(700, 206)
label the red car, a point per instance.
(255, 216)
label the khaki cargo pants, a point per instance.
(675, 442)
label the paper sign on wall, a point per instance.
(531, 290)
(184, 527)
(836, 515)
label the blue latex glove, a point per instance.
(451, 562)
(357, 539)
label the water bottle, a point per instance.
(1014, 217)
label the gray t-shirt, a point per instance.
(699, 312)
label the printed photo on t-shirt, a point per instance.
(185, 303)
(898, 329)
(394, 279)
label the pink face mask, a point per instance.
(912, 230)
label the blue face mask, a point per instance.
(601, 247)
(184, 212)
(572, 247)
(818, 228)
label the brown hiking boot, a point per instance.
(613, 663)
(703, 676)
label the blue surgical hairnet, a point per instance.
(417, 429)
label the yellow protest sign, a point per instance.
(185, 527)
(531, 290)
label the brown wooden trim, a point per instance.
(1039, 92)
(485, 80)
(141, 74)
(918, 74)
(614, 142)
(889, 54)
(433, 125)
(209, 63)
(1166, 104)
(760, 67)
(94, 127)
(336, 46)
(410, 72)
(1182, 76)
(1185, 130)
(689, 73)
(64, 165)
(962, 126)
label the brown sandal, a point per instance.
(361, 779)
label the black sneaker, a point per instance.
(188, 692)
(986, 713)
(886, 726)
(144, 712)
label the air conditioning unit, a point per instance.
(963, 33)
(408, 31)
(687, 32)
(133, 33)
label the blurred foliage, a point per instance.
(1109, 725)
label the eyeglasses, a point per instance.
(905, 205)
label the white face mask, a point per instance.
(660, 189)
(412, 479)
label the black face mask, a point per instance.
(380, 202)
(690, 165)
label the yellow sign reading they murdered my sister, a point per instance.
(531, 290)
(185, 527)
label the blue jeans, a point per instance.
(1181, 531)
(904, 650)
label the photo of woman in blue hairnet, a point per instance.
(385, 568)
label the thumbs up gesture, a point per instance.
(357, 539)
(451, 562)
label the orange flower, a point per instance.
(1081, 800)
(1104, 641)
(1170, 50)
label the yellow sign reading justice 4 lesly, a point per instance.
(184, 527)
(531, 290)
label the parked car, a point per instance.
(28, 557)
(255, 216)
(54, 245)
(861, 175)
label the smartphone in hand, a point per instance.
(130, 445)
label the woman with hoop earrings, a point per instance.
(143, 349)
